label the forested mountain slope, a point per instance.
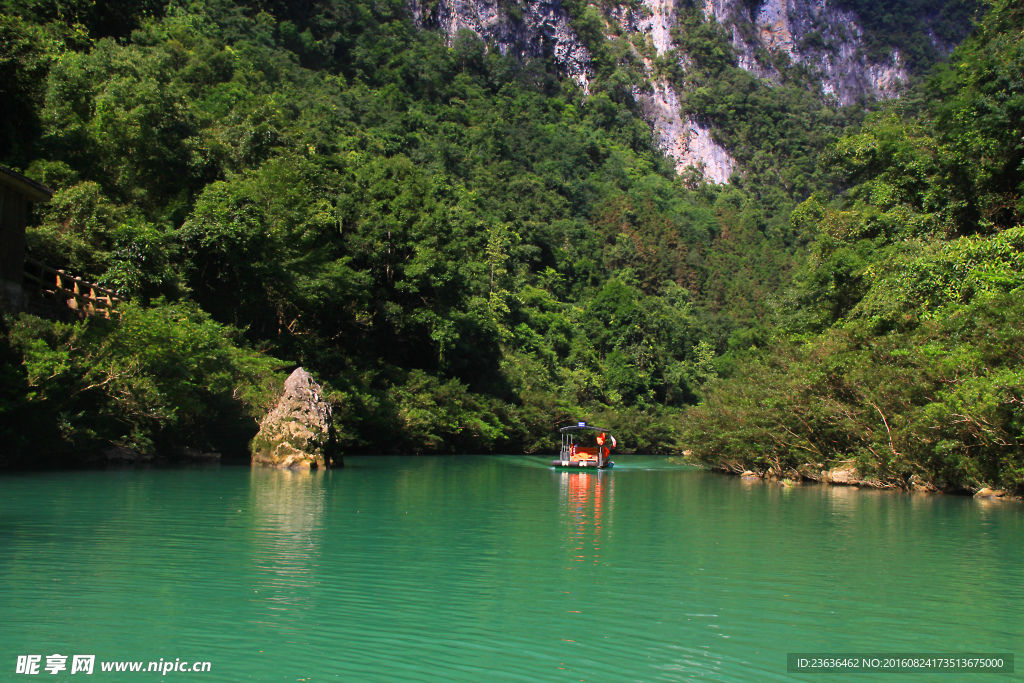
(697, 70)
(468, 246)
(900, 350)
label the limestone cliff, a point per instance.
(811, 32)
(814, 33)
(540, 28)
(682, 138)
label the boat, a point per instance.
(585, 445)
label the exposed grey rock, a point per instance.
(688, 142)
(543, 29)
(843, 475)
(838, 51)
(685, 140)
(990, 493)
(298, 432)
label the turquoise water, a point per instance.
(494, 569)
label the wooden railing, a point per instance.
(79, 295)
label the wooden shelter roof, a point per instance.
(36, 192)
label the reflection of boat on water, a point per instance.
(587, 497)
(581, 490)
(585, 446)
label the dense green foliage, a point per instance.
(900, 344)
(922, 30)
(155, 379)
(467, 250)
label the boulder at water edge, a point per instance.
(298, 432)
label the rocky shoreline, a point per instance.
(848, 475)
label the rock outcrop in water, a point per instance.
(298, 433)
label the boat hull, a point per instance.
(590, 464)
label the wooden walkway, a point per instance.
(83, 297)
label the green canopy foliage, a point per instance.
(898, 350)
(469, 252)
(462, 245)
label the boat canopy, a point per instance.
(583, 426)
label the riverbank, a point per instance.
(847, 475)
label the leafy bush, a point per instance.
(146, 380)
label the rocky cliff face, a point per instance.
(810, 32)
(539, 28)
(682, 138)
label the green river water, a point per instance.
(494, 569)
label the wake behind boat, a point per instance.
(585, 446)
